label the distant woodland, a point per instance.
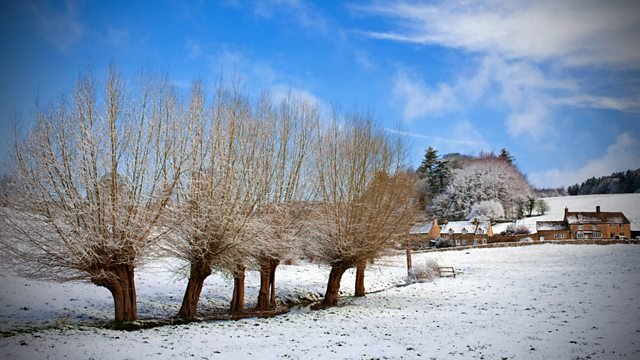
(616, 183)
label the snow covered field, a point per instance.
(537, 302)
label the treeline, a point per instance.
(122, 171)
(457, 186)
(616, 183)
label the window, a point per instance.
(597, 235)
(612, 235)
(457, 241)
(464, 242)
(580, 227)
(484, 241)
(580, 235)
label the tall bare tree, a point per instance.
(230, 177)
(365, 200)
(293, 127)
(91, 182)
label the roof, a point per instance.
(464, 227)
(421, 228)
(593, 217)
(551, 225)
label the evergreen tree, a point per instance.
(439, 176)
(506, 156)
(428, 163)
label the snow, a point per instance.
(552, 225)
(629, 204)
(536, 302)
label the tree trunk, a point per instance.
(333, 286)
(273, 283)
(360, 278)
(123, 290)
(409, 245)
(237, 301)
(197, 275)
(267, 293)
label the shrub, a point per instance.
(424, 272)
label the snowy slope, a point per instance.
(537, 302)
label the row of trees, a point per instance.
(117, 173)
(616, 183)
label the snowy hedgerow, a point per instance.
(485, 210)
(516, 229)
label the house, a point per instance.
(586, 225)
(458, 233)
(552, 230)
(597, 225)
(462, 233)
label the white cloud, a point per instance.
(534, 122)
(60, 27)
(301, 12)
(571, 32)
(418, 99)
(281, 92)
(462, 138)
(620, 156)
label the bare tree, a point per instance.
(232, 170)
(365, 200)
(294, 130)
(91, 183)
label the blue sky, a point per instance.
(555, 82)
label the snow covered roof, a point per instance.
(421, 228)
(551, 225)
(464, 227)
(592, 217)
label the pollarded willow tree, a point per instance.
(365, 199)
(287, 207)
(227, 181)
(91, 183)
(246, 165)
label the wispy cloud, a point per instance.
(529, 95)
(572, 32)
(301, 12)
(465, 138)
(619, 156)
(62, 28)
(418, 99)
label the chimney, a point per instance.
(566, 212)
(598, 210)
(435, 221)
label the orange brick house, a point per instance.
(586, 225)
(597, 225)
(458, 233)
(552, 230)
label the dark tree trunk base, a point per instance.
(197, 275)
(267, 293)
(360, 290)
(120, 283)
(333, 285)
(237, 301)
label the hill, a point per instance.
(616, 183)
(629, 204)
